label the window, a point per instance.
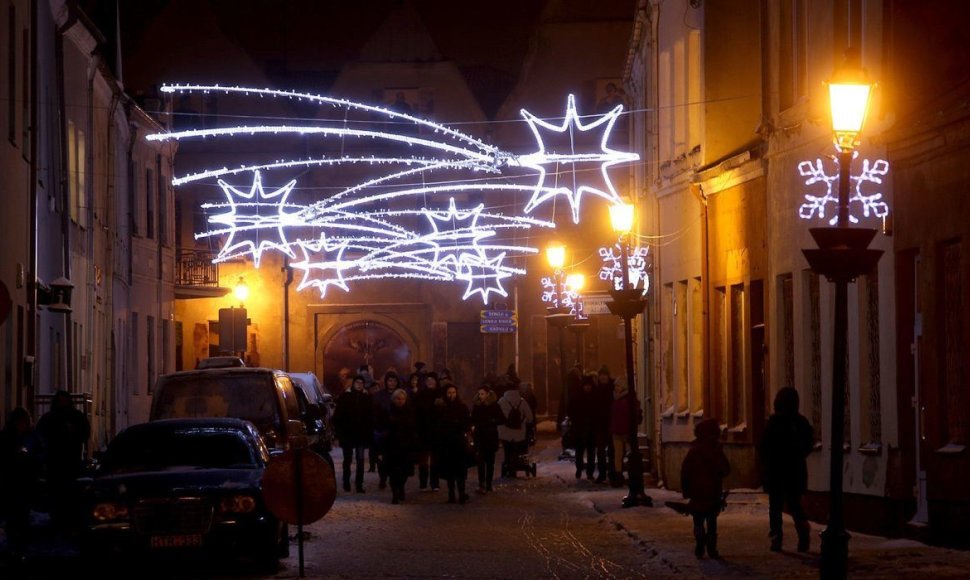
(870, 395)
(12, 74)
(813, 346)
(786, 307)
(694, 97)
(163, 192)
(166, 344)
(696, 352)
(681, 322)
(77, 180)
(950, 337)
(132, 198)
(150, 204)
(735, 411)
(134, 363)
(669, 392)
(152, 354)
(793, 52)
(666, 108)
(25, 92)
(720, 378)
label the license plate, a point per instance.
(177, 541)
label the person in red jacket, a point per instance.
(701, 476)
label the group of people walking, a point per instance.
(598, 425)
(39, 465)
(424, 426)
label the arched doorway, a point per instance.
(364, 342)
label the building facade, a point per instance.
(736, 121)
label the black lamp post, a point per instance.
(628, 303)
(841, 257)
(559, 316)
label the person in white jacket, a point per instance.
(512, 433)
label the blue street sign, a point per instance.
(500, 321)
(489, 314)
(497, 329)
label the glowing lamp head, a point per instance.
(575, 282)
(556, 255)
(241, 290)
(621, 218)
(850, 93)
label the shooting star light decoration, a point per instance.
(396, 224)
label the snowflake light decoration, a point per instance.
(872, 204)
(559, 294)
(393, 225)
(612, 269)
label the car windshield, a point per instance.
(213, 394)
(162, 449)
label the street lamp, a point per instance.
(629, 302)
(841, 257)
(559, 316)
(241, 291)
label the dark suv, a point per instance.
(265, 397)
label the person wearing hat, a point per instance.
(701, 477)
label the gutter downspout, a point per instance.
(287, 281)
(708, 336)
(66, 380)
(22, 397)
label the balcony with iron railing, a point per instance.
(196, 276)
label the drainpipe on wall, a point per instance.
(287, 281)
(65, 380)
(710, 403)
(21, 397)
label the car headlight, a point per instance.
(239, 504)
(110, 510)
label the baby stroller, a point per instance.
(518, 459)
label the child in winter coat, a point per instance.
(701, 476)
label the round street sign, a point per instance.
(299, 487)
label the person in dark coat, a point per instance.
(65, 431)
(583, 412)
(424, 410)
(21, 453)
(486, 418)
(354, 422)
(785, 445)
(397, 436)
(601, 427)
(453, 423)
(701, 476)
(382, 405)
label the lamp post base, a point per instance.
(636, 496)
(835, 554)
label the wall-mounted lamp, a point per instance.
(57, 296)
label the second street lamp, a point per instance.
(559, 316)
(628, 303)
(841, 257)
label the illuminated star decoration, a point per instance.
(249, 216)
(612, 269)
(392, 224)
(601, 159)
(872, 204)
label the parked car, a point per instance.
(220, 362)
(265, 397)
(183, 484)
(319, 407)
